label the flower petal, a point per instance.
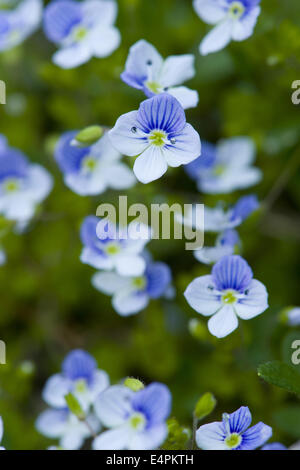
(113, 406)
(223, 322)
(130, 265)
(237, 151)
(210, 11)
(110, 283)
(256, 436)
(202, 296)
(129, 303)
(73, 56)
(240, 420)
(55, 390)
(149, 439)
(176, 70)
(186, 97)
(217, 38)
(154, 401)
(127, 136)
(115, 439)
(52, 423)
(187, 147)
(95, 259)
(211, 437)
(254, 302)
(243, 29)
(150, 165)
(104, 40)
(232, 272)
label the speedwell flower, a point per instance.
(22, 185)
(146, 70)
(130, 295)
(293, 316)
(228, 293)
(274, 446)
(1, 431)
(226, 167)
(137, 420)
(108, 247)
(234, 19)
(226, 244)
(158, 134)
(91, 170)
(81, 30)
(79, 376)
(16, 25)
(233, 433)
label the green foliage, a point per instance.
(134, 384)
(282, 375)
(89, 135)
(178, 436)
(205, 406)
(74, 406)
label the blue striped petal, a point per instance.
(162, 112)
(232, 272)
(60, 16)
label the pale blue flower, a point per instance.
(233, 433)
(61, 424)
(22, 185)
(228, 293)
(108, 247)
(293, 316)
(146, 70)
(226, 167)
(92, 170)
(158, 134)
(274, 446)
(81, 30)
(136, 420)
(226, 244)
(1, 431)
(17, 24)
(132, 294)
(2, 257)
(234, 19)
(79, 376)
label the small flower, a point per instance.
(92, 170)
(63, 425)
(130, 295)
(158, 134)
(81, 30)
(233, 433)
(22, 185)
(226, 167)
(234, 20)
(293, 316)
(274, 446)
(226, 245)
(80, 376)
(2, 257)
(16, 25)
(109, 247)
(228, 293)
(146, 70)
(1, 431)
(137, 420)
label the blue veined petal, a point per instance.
(149, 439)
(274, 446)
(206, 160)
(88, 233)
(211, 437)
(240, 420)
(154, 402)
(52, 422)
(158, 277)
(60, 16)
(244, 207)
(13, 164)
(255, 437)
(162, 112)
(232, 272)
(79, 365)
(210, 11)
(229, 237)
(68, 156)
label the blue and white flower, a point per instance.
(130, 295)
(274, 446)
(81, 30)
(226, 167)
(17, 24)
(234, 19)
(136, 420)
(226, 244)
(108, 247)
(146, 70)
(61, 424)
(92, 170)
(1, 431)
(79, 376)
(159, 134)
(2, 257)
(233, 433)
(22, 185)
(228, 293)
(293, 316)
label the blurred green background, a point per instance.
(48, 305)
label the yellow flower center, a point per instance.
(229, 297)
(233, 440)
(11, 185)
(89, 163)
(236, 10)
(80, 33)
(154, 87)
(139, 282)
(137, 421)
(112, 249)
(219, 170)
(158, 138)
(80, 386)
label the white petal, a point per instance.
(72, 440)
(223, 323)
(39, 183)
(217, 220)
(1, 428)
(177, 70)
(202, 296)
(211, 437)
(141, 53)
(113, 407)
(90, 257)
(100, 12)
(110, 282)
(254, 303)
(186, 148)
(237, 151)
(217, 38)
(210, 11)
(149, 439)
(186, 97)
(129, 265)
(55, 390)
(210, 255)
(129, 303)
(103, 41)
(119, 176)
(116, 439)
(85, 185)
(123, 139)
(99, 384)
(150, 165)
(70, 57)
(52, 423)
(243, 29)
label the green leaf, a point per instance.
(282, 375)
(287, 419)
(205, 405)
(89, 135)
(74, 406)
(134, 384)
